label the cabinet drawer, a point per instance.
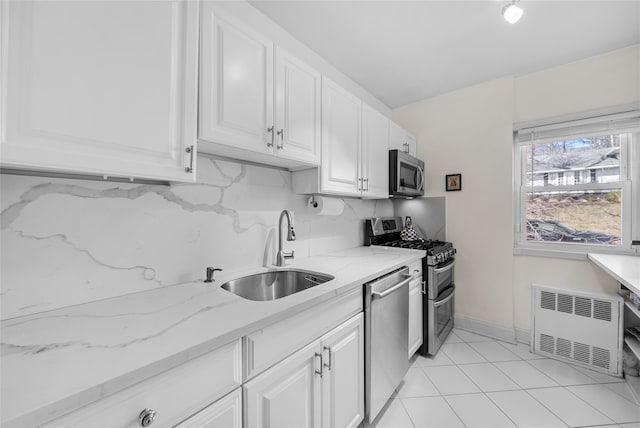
(175, 394)
(266, 347)
(224, 413)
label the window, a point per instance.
(573, 186)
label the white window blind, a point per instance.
(610, 124)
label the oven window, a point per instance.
(408, 176)
(444, 315)
(443, 279)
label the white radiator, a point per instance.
(578, 327)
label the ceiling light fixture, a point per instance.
(512, 13)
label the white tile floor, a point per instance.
(475, 381)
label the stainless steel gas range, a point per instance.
(438, 275)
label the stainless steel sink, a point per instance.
(275, 284)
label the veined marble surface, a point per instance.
(67, 242)
(57, 361)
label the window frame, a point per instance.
(630, 198)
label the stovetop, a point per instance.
(386, 232)
(418, 244)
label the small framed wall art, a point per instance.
(454, 182)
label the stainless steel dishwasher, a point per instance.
(386, 303)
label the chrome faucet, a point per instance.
(291, 236)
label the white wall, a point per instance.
(470, 131)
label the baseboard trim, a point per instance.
(486, 328)
(523, 336)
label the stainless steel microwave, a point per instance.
(406, 175)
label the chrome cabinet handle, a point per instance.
(146, 417)
(189, 169)
(328, 366)
(424, 287)
(281, 134)
(376, 294)
(360, 184)
(270, 130)
(320, 371)
(366, 180)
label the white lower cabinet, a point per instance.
(173, 396)
(415, 316)
(416, 288)
(343, 375)
(322, 384)
(287, 395)
(224, 413)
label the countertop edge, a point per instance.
(597, 259)
(75, 401)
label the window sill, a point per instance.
(571, 253)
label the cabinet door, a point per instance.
(297, 109)
(288, 394)
(104, 88)
(375, 154)
(401, 139)
(415, 315)
(343, 375)
(224, 413)
(340, 141)
(236, 76)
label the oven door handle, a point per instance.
(378, 295)
(450, 294)
(446, 268)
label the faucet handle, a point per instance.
(210, 272)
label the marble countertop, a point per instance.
(57, 361)
(625, 269)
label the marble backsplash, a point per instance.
(66, 241)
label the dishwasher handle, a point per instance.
(378, 295)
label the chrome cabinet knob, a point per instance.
(146, 417)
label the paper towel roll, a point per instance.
(321, 205)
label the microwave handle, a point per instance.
(420, 186)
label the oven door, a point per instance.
(440, 318)
(440, 277)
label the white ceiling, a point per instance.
(405, 51)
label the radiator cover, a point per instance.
(577, 327)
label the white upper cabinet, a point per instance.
(298, 88)
(374, 165)
(236, 99)
(254, 96)
(341, 128)
(401, 139)
(355, 149)
(102, 88)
